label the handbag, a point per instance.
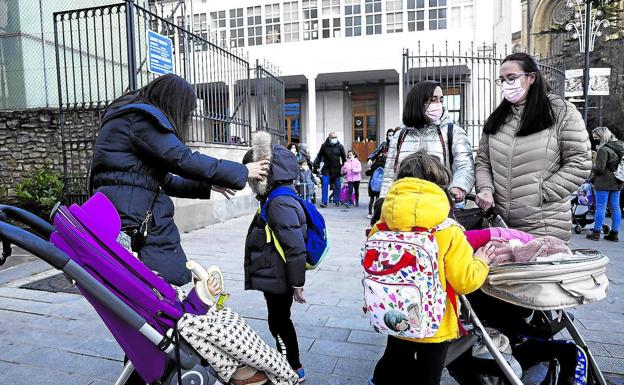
(138, 234)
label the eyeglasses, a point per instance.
(510, 79)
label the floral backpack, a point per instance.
(403, 293)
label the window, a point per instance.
(310, 19)
(254, 26)
(291, 21)
(330, 13)
(461, 14)
(272, 19)
(415, 15)
(200, 28)
(373, 17)
(394, 16)
(218, 26)
(237, 30)
(437, 14)
(353, 18)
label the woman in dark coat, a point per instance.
(606, 186)
(139, 161)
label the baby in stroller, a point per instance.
(583, 209)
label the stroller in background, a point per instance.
(139, 308)
(530, 329)
(583, 209)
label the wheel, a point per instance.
(606, 229)
(578, 229)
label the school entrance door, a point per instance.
(364, 124)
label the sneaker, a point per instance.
(612, 236)
(301, 374)
(369, 216)
(348, 205)
(323, 205)
(593, 236)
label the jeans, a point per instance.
(281, 326)
(335, 182)
(354, 187)
(425, 360)
(613, 199)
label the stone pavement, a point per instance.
(56, 338)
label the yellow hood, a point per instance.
(413, 202)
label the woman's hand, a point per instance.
(298, 295)
(458, 194)
(370, 163)
(486, 253)
(226, 192)
(485, 199)
(258, 170)
(214, 286)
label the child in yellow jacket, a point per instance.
(418, 199)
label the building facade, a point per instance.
(341, 60)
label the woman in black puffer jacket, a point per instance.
(139, 161)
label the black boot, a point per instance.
(612, 236)
(594, 236)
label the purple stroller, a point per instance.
(139, 308)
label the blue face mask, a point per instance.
(333, 141)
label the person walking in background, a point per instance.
(534, 153)
(352, 170)
(332, 156)
(306, 181)
(377, 162)
(428, 127)
(607, 187)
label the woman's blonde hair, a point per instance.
(604, 135)
(424, 166)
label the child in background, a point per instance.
(306, 181)
(418, 199)
(352, 170)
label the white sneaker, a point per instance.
(369, 216)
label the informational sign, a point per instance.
(159, 53)
(598, 82)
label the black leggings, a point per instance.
(352, 186)
(374, 195)
(281, 326)
(426, 361)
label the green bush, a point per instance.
(39, 192)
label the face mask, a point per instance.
(514, 92)
(389, 137)
(293, 150)
(434, 111)
(333, 141)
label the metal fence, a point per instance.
(467, 74)
(102, 52)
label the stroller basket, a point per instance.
(137, 306)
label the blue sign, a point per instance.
(159, 53)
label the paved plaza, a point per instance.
(57, 338)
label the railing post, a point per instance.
(130, 45)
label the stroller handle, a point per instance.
(31, 220)
(61, 261)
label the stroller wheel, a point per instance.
(578, 229)
(606, 229)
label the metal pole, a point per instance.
(587, 38)
(43, 49)
(600, 111)
(132, 67)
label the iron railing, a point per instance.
(466, 73)
(269, 101)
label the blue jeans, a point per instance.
(335, 182)
(613, 198)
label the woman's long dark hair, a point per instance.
(538, 114)
(171, 94)
(415, 104)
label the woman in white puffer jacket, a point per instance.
(426, 126)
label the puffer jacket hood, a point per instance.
(284, 165)
(413, 202)
(433, 139)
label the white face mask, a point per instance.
(434, 111)
(514, 92)
(333, 141)
(293, 150)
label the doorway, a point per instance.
(364, 123)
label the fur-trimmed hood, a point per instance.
(284, 166)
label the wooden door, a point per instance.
(364, 124)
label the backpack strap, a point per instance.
(450, 292)
(270, 235)
(400, 140)
(449, 138)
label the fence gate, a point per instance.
(269, 102)
(101, 53)
(467, 75)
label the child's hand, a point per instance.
(214, 286)
(486, 253)
(298, 295)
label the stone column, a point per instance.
(312, 135)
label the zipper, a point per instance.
(509, 168)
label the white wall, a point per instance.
(392, 116)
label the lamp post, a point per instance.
(586, 26)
